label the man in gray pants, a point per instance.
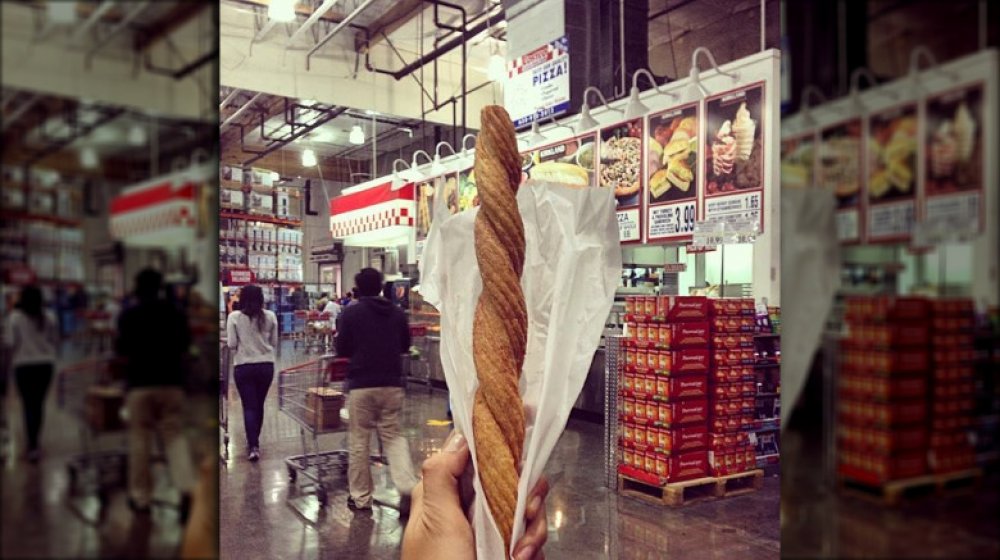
(373, 334)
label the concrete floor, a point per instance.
(41, 520)
(819, 522)
(262, 517)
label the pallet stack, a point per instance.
(664, 389)
(882, 412)
(952, 402)
(732, 386)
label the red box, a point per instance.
(880, 440)
(731, 306)
(953, 389)
(733, 324)
(732, 341)
(893, 413)
(953, 407)
(883, 361)
(951, 341)
(688, 466)
(686, 335)
(884, 388)
(952, 307)
(888, 335)
(952, 324)
(690, 360)
(875, 468)
(878, 309)
(956, 356)
(724, 357)
(682, 387)
(957, 372)
(676, 440)
(722, 424)
(683, 308)
(951, 459)
(684, 412)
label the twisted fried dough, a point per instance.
(500, 326)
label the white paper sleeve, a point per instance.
(571, 270)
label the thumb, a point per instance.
(442, 471)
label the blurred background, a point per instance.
(108, 168)
(890, 247)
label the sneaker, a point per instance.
(353, 505)
(254, 455)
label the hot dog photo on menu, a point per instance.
(569, 162)
(734, 158)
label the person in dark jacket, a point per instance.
(373, 333)
(153, 339)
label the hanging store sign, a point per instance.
(672, 171)
(840, 173)
(892, 174)
(537, 85)
(161, 212)
(374, 215)
(20, 275)
(239, 276)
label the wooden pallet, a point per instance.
(692, 491)
(892, 492)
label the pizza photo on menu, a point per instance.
(621, 161)
(840, 162)
(892, 147)
(734, 158)
(672, 155)
(954, 141)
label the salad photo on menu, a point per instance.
(672, 155)
(954, 141)
(734, 158)
(468, 195)
(892, 154)
(621, 161)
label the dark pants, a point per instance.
(33, 383)
(253, 382)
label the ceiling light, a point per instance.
(307, 102)
(370, 112)
(308, 158)
(88, 158)
(497, 69)
(357, 135)
(281, 10)
(536, 135)
(137, 135)
(61, 12)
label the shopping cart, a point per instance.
(419, 365)
(89, 392)
(318, 333)
(225, 364)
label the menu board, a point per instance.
(954, 162)
(798, 162)
(441, 190)
(569, 161)
(734, 156)
(621, 169)
(892, 178)
(672, 171)
(840, 173)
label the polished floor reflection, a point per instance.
(820, 523)
(40, 519)
(262, 517)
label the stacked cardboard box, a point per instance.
(882, 402)
(323, 406)
(664, 389)
(952, 401)
(732, 386)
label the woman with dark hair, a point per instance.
(31, 337)
(252, 334)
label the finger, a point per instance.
(534, 537)
(536, 498)
(441, 471)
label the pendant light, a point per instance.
(308, 158)
(357, 136)
(282, 11)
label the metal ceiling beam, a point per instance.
(92, 20)
(108, 116)
(229, 98)
(264, 30)
(239, 111)
(182, 13)
(18, 112)
(318, 13)
(122, 25)
(329, 116)
(340, 26)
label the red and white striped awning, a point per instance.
(159, 212)
(371, 216)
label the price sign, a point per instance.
(672, 220)
(848, 225)
(738, 207)
(891, 221)
(628, 225)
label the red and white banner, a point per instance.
(161, 211)
(371, 210)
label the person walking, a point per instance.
(252, 334)
(373, 333)
(31, 338)
(154, 339)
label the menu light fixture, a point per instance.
(536, 135)
(415, 173)
(357, 136)
(855, 92)
(437, 168)
(282, 11)
(586, 121)
(308, 158)
(466, 153)
(921, 51)
(398, 179)
(698, 89)
(88, 158)
(807, 118)
(636, 108)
